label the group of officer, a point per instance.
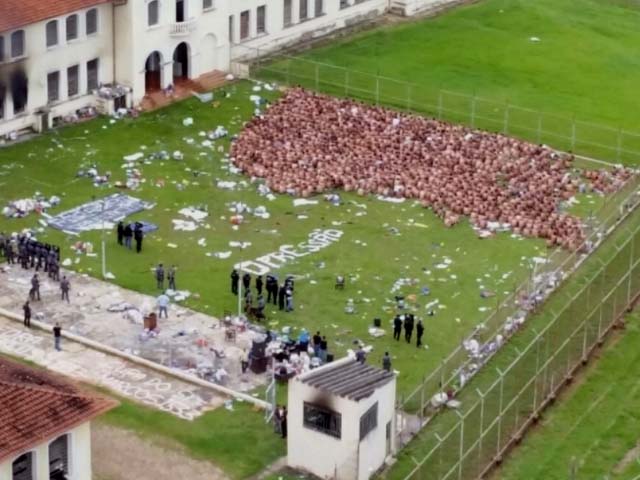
(30, 253)
(407, 321)
(281, 295)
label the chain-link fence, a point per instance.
(507, 317)
(489, 422)
(498, 416)
(545, 273)
(563, 133)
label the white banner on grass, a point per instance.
(318, 239)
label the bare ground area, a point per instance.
(119, 454)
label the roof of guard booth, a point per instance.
(349, 379)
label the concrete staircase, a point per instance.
(183, 88)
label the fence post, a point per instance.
(573, 134)
(500, 409)
(317, 76)
(505, 129)
(539, 128)
(535, 383)
(408, 97)
(601, 305)
(481, 425)
(633, 237)
(440, 105)
(473, 112)
(346, 82)
(584, 341)
(377, 90)
(461, 454)
(422, 402)
(619, 146)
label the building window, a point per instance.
(3, 94)
(53, 87)
(244, 25)
(369, 421)
(344, 4)
(73, 80)
(59, 457)
(17, 44)
(92, 74)
(231, 32)
(153, 13)
(1, 48)
(181, 13)
(22, 467)
(92, 21)
(72, 27)
(52, 33)
(319, 10)
(322, 420)
(19, 85)
(261, 19)
(288, 13)
(303, 10)
(207, 4)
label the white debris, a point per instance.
(194, 213)
(299, 202)
(187, 122)
(390, 199)
(242, 245)
(134, 157)
(184, 225)
(226, 185)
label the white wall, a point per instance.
(373, 448)
(278, 35)
(415, 7)
(79, 456)
(206, 36)
(331, 456)
(40, 60)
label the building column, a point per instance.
(295, 12)
(8, 105)
(167, 72)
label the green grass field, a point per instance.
(584, 67)
(614, 256)
(237, 441)
(371, 256)
(593, 431)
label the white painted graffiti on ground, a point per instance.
(318, 239)
(180, 399)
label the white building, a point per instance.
(341, 420)
(44, 426)
(55, 54)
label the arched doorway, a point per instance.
(153, 72)
(208, 53)
(181, 65)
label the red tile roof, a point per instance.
(36, 406)
(18, 13)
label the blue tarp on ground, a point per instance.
(92, 215)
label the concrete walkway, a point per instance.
(113, 351)
(124, 378)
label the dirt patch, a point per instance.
(631, 456)
(119, 454)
